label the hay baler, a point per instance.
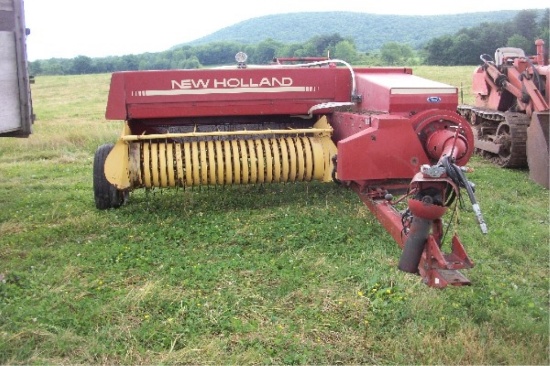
(392, 137)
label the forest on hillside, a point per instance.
(461, 48)
(368, 31)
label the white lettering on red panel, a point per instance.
(228, 86)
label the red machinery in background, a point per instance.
(511, 113)
(392, 137)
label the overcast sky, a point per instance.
(98, 28)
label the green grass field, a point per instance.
(291, 273)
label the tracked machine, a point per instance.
(392, 137)
(510, 116)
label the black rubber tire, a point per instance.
(106, 195)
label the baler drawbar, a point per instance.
(394, 138)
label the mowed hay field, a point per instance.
(266, 274)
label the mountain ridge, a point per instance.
(369, 31)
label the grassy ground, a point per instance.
(294, 273)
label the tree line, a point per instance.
(462, 48)
(465, 47)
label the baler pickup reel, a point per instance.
(381, 131)
(188, 159)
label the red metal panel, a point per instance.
(346, 124)
(116, 103)
(479, 86)
(388, 216)
(264, 107)
(404, 93)
(218, 92)
(388, 149)
(269, 90)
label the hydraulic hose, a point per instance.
(457, 176)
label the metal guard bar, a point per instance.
(319, 131)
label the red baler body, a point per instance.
(387, 126)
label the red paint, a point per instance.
(397, 123)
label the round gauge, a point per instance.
(241, 57)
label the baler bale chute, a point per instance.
(390, 136)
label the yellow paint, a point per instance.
(252, 162)
(228, 167)
(276, 154)
(203, 167)
(116, 163)
(243, 161)
(163, 174)
(299, 159)
(211, 154)
(146, 166)
(284, 160)
(155, 163)
(308, 161)
(291, 158)
(195, 167)
(170, 165)
(179, 165)
(220, 163)
(268, 161)
(260, 160)
(188, 166)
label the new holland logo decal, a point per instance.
(227, 86)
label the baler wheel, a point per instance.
(106, 195)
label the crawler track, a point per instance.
(501, 137)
